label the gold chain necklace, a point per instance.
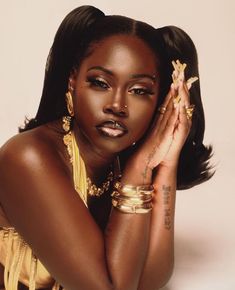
(78, 164)
(93, 190)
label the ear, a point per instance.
(72, 80)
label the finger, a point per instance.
(186, 109)
(185, 122)
(172, 120)
(169, 109)
(164, 107)
(162, 118)
(171, 93)
(190, 81)
(184, 93)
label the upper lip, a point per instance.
(113, 124)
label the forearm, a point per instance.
(126, 248)
(160, 257)
(127, 238)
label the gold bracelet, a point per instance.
(132, 199)
(145, 208)
(132, 190)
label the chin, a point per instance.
(112, 145)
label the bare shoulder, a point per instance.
(32, 148)
(30, 159)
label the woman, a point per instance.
(69, 212)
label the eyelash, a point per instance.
(103, 85)
(97, 83)
(141, 91)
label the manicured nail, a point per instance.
(176, 99)
(190, 81)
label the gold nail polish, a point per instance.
(178, 73)
(192, 80)
(177, 99)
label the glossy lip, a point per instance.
(112, 128)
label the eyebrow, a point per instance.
(137, 76)
(134, 76)
(102, 69)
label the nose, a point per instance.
(117, 106)
(116, 109)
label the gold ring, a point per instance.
(189, 111)
(162, 110)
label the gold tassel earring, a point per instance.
(67, 120)
(69, 101)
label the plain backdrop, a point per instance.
(205, 215)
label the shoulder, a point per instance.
(31, 148)
(21, 150)
(32, 154)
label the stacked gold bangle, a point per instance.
(132, 199)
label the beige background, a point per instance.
(205, 217)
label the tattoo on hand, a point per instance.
(151, 155)
(167, 210)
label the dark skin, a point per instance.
(135, 250)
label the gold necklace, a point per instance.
(93, 190)
(78, 165)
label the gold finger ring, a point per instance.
(162, 110)
(189, 111)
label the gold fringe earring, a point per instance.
(69, 101)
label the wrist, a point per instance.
(166, 172)
(137, 172)
(169, 163)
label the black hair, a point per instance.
(74, 40)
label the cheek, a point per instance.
(141, 117)
(142, 109)
(88, 104)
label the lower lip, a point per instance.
(110, 132)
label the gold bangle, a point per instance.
(141, 196)
(132, 199)
(131, 202)
(134, 208)
(128, 189)
(143, 187)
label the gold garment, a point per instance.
(20, 263)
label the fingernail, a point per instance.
(172, 86)
(190, 81)
(176, 99)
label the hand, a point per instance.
(166, 139)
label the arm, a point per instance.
(159, 264)
(160, 258)
(40, 202)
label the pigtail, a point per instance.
(194, 167)
(67, 49)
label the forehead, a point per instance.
(122, 52)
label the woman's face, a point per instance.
(115, 93)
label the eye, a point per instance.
(141, 91)
(98, 83)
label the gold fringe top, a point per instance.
(20, 263)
